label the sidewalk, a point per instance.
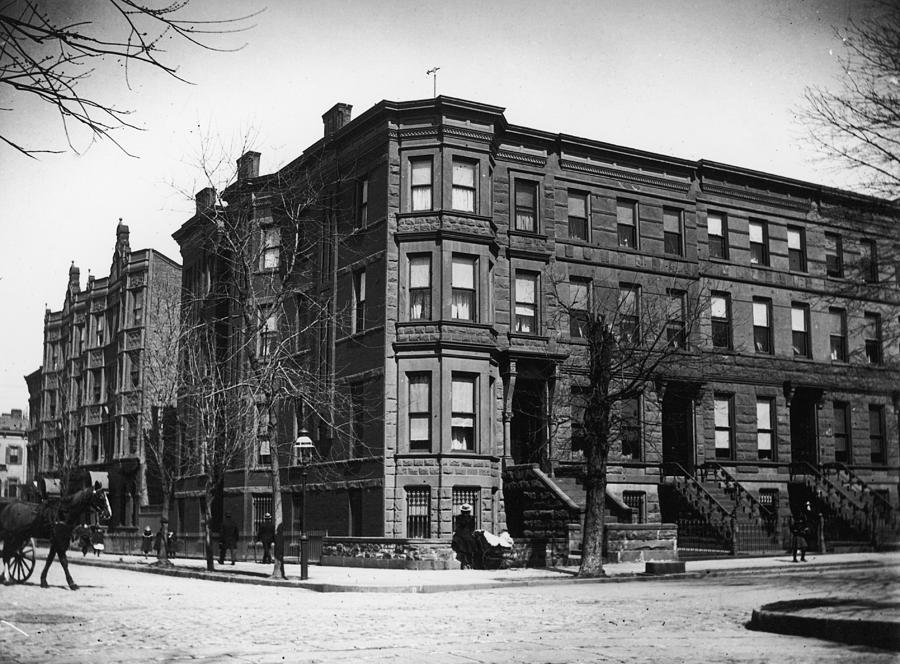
(358, 579)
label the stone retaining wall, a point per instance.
(640, 542)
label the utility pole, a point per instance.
(433, 73)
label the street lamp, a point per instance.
(304, 448)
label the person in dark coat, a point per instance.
(799, 532)
(463, 543)
(265, 534)
(171, 544)
(83, 533)
(97, 540)
(147, 541)
(228, 538)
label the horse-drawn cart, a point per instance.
(21, 564)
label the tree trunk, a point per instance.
(594, 516)
(207, 527)
(277, 565)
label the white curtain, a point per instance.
(756, 232)
(463, 186)
(714, 223)
(723, 421)
(761, 314)
(764, 425)
(798, 320)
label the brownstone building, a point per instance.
(442, 239)
(90, 406)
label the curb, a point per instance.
(779, 618)
(259, 578)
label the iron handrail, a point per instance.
(742, 497)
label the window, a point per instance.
(462, 279)
(672, 232)
(78, 340)
(796, 240)
(96, 385)
(463, 495)
(834, 255)
(800, 329)
(418, 512)
(631, 428)
(717, 233)
(268, 332)
(841, 427)
(421, 184)
(635, 500)
(765, 429)
(526, 206)
(419, 411)
(262, 505)
(463, 195)
(132, 423)
(724, 426)
(720, 311)
(137, 308)
(359, 301)
(675, 328)
(462, 425)
(12, 487)
(578, 401)
(526, 302)
(96, 443)
(876, 433)
(837, 333)
(762, 325)
(872, 338)
(629, 313)
(759, 243)
(769, 499)
(134, 361)
(270, 249)
(420, 287)
(13, 455)
(580, 293)
(626, 223)
(868, 261)
(98, 328)
(358, 419)
(362, 214)
(578, 215)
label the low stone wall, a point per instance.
(640, 542)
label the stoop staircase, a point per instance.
(884, 519)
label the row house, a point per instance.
(442, 278)
(93, 398)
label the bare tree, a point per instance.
(859, 125)
(49, 50)
(635, 339)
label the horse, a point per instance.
(52, 519)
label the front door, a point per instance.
(528, 428)
(803, 430)
(678, 430)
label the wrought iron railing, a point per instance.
(744, 501)
(720, 519)
(835, 498)
(881, 513)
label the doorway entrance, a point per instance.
(678, 428)
(804, 434)
(528, 428)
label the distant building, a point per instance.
(94, 409)
(13, 454)
(440, 236)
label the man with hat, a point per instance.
(463, 542)
(147, 541)
(265, 535)
(228, 538)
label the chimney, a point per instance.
(248, 165)
(205, 199)
(336, 117)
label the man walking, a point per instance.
(228, 538)
(265, 535)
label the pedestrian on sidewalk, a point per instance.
(83, 533)
(97, 538)
(463, 542)
(147, 541)
(228, 538)
(800, 531)
(265, 535)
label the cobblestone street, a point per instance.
(123, 616)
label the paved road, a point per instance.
(122, 616)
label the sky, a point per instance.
(690, 78)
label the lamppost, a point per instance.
(304, 448)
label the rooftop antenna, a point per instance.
(433, 73)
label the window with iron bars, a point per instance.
(262, 505)
(635, 500)
(418, 512)
(470, 495)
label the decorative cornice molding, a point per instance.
(630, 176)
(471, 134)
(521, 158)
(755, 196)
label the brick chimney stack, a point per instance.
(248, 165)
(205, 199)
(336, 117)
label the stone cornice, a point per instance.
(629, 176)
(521, 158)
(755, 196)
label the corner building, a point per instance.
(446, 245)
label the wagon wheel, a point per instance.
(21, 564)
